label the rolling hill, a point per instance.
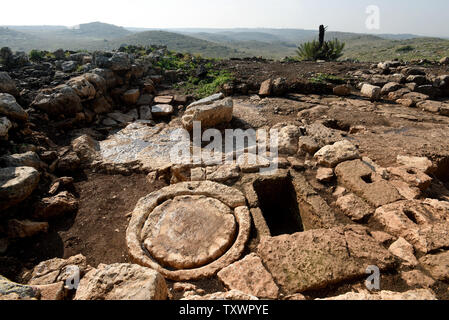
(220, 43)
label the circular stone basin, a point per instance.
(189, 231)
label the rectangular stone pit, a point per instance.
(285, 203)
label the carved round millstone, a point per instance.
(189, 230)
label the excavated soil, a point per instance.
(97, 230)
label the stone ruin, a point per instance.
(318, 222)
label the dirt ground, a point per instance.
(257, 71)
(97, 230)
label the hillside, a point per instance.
(180, 43)
(15, 39)
(97, 30)
(369, 48)
(220, 43)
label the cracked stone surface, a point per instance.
(250, 276)
(317, 258)
(423, 223)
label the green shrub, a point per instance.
(404, 49)
(36, 55)
(328, 51)
(321, 50)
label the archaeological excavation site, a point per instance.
(121, 178)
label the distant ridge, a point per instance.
(221, 43)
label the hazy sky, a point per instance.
(396, 16)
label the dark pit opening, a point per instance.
(442, 172)
(337, 125)
(367, 179)
(411, 216)
(279, 206)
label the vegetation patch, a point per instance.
(321, 50)
(211, 84)
(326, 78)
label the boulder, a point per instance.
(120, 61)
(97, 81)
(409, 103)
(25, 228)
(404, 250)
(431, 106)
(145, 113)
(161, 110)
(390, 87)
(58, 270)
(437, 265)
(422, 223)
(51, 292)
(322, 134)
(7, 85)
(325, 174)
(288, 139)
(342, 90)
(209, 115)
(5, 125)
(415, 96)
(145, 100)
(61, 100)
(418, 80)
(362, 179)
(208, 100)
(332, 155)
(444, 60)
(101, 105)
(69, 162)
(265, 88)
(82, 87)
(354, 207)
(69, 66)
(222, 173)
(108, 75)
(163, 99)
(20, 291)
(318, 258)
(56, 206)
(249, 276)
(131, 97)
(16, 184)
(308, 145)
(413, 71)
(28, 159)
(10, 108)
(413, 177)
(370, 91)
(416, 278)
(122, 281)
(428, 90)
(120, 117)
(279, 86)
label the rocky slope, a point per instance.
(92, 205)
